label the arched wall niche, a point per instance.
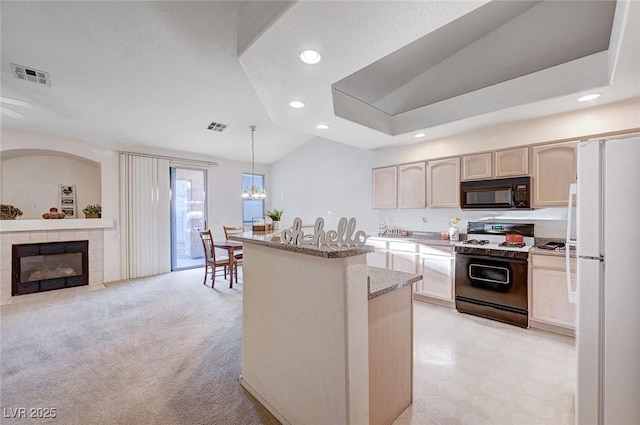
(31, 180)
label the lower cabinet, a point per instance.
(437, 265)
(550, 306)
(403, 262)
(378, 258)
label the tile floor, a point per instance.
(473, 371)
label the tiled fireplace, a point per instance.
(41, 267)
(95, 251)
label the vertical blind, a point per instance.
(145, 215)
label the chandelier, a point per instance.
(253, 192)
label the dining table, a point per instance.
(231, 247)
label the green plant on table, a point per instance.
(275, 214)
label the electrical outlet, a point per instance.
(425, 220)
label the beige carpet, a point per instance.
(162, 350)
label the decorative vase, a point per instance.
(454, 233)
(92, 215)
(275, 225)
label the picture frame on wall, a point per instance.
(68, 205)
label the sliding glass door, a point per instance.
(188, 215)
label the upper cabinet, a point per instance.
(476, 167)
(554, 169)
(512, 163)
(411, 185)
(384, 187)
(443, 183)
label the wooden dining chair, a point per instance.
(230, 231)
(212, 262)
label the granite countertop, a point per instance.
(435, 240)
(274, 240)
(552, 253)
(382, 281)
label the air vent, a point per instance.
(30, 74)
(216, 126)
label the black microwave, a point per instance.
(494, 194)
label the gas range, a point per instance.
(488, 239)
(491, 276)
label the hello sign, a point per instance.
(345, 236)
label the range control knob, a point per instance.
(487, 251)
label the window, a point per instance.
(252, 208)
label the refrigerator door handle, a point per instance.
(571, 294)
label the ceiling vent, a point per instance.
(216, 126)
(30, 74)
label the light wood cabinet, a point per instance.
(437, 265)
(403, 262)
(554, 169)
(437, 277)
(476, 167)
(384, 187)
(411, 185)
(443, 183)
(511, 163)
(550, 306)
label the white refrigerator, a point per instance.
(608, 282)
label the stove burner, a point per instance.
(476, 242)
(513, 244)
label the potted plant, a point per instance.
(9, 212)
(275, 215)
(92, 211)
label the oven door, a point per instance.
(492, 282)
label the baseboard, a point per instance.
(552, 328)
(262, 401)
(437, 301)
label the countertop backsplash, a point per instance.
(549, 222)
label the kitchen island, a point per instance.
(326, 339)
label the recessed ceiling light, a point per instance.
(419, 135)
(589, 97)
(296, 104)
(322, 127)
(310, 56)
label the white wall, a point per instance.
(225, 193)
(324, 179)
(571, 125)
(31, 182)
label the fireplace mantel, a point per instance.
(39, 225)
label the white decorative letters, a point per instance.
(343, 237)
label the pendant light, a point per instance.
(253, 192)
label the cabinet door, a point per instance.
(378, 258)
(550, 301)
(512, 162)
(403, 262)
(476, 167)
(384, 187)
(554, 169)
(411, 185)
(437, 277)
(443, 183)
